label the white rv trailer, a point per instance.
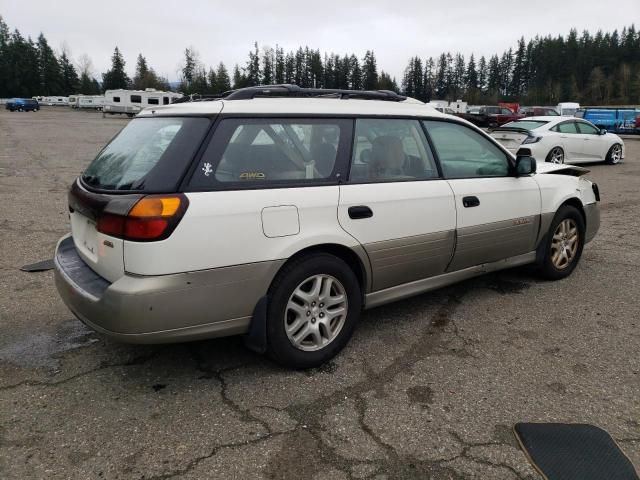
(52, 101)
(458, 106)
(438, 103)
(567, 109)
(130, 102)
(95, 102)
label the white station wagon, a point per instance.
(280, 213)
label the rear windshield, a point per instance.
(149, 155)
(526, 124)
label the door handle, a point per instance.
(468, 202)
(360, 211)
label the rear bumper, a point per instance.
(162, 309)
(592, 217)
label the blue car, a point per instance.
(612, 119)
(22, 105)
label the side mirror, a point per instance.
(525, 165)
(603, 131)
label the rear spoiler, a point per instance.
(511, 129)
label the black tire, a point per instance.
(609, 158)
(279, 347)
(546, 265)
(131, 115)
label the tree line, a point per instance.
(600, 68)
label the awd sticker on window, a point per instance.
(252, 176)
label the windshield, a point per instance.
(149, 154)
(525, 124)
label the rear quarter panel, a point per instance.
(226, 228)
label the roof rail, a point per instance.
(196, 97)
(289, 90)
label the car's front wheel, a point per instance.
(614, 155)
(556, 155)
(562, 247)
(314, 304)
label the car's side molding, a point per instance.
(421, 286)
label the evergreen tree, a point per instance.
(355, 74)
(385, 82)
(70, 80)
(212, 81)
(223, 84)
(268, 66)
(239, 78)
(50, 72)
(189, 70)
(116, 77)
(369, 71)
(253, 67)
(441, 77)
(279, 67)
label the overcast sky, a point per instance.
(395, 30)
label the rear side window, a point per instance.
(566, 127)
(148, 155)
(136, 99)
(116, 99)
(464, 153)
(269, 152)
(388, 150)
(152, 101)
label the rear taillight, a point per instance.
(152, 218)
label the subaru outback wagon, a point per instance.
(280, 213)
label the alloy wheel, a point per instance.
(564, 244)
(616, 153)
(316, 312)
(557, 156)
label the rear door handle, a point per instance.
(470, 202)
(360, 211)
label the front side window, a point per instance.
(136, 99)
(152, 101)
(387, 150)
(267, 151)
(588, 129)
(149, 154)
(566, 127)
(165, 100)
(506, 111)
(464, 153)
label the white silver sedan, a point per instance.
(560, 140)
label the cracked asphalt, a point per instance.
(427, 388)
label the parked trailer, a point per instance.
(130, 102)
(95, 102)
(53, 101)
(459, 106)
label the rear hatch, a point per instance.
(149, 156)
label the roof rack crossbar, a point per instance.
(289, 90)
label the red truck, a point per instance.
(490, 116)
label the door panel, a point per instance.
(504, 224)
(410, 235)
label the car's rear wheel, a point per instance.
(556, 155)
(20, 109)
(614, 155)
(562, 247)
(314, 304)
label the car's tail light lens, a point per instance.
(152, 218)
(531, 140)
